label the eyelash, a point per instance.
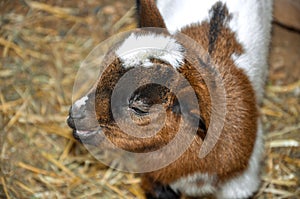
(139, 111)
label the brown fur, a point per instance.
(233, 149)
(231, 154)
(149, 15)
(116, 135)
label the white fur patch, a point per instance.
(180, 13)
(190, 185)
(245, 185)
(139, 49)
(251, 21)
(81, 101)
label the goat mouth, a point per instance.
(92, 137)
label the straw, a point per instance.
(42, 45)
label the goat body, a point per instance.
(235, 36)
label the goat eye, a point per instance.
(145, 97)
(139, 111)
(139, 108)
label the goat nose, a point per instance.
(76, 113)
(71, 122)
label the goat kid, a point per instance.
(235, 35)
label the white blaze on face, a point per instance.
(137, 50)
(81, 101)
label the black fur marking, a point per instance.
(163, 192)
(212, 71)
(138, 11)
(218, 14)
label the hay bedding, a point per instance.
(41, 46)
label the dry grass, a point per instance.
(41, 47)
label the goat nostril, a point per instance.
(74, 114)
(70, 122)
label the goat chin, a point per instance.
(235, 36)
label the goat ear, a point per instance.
(148, 14)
